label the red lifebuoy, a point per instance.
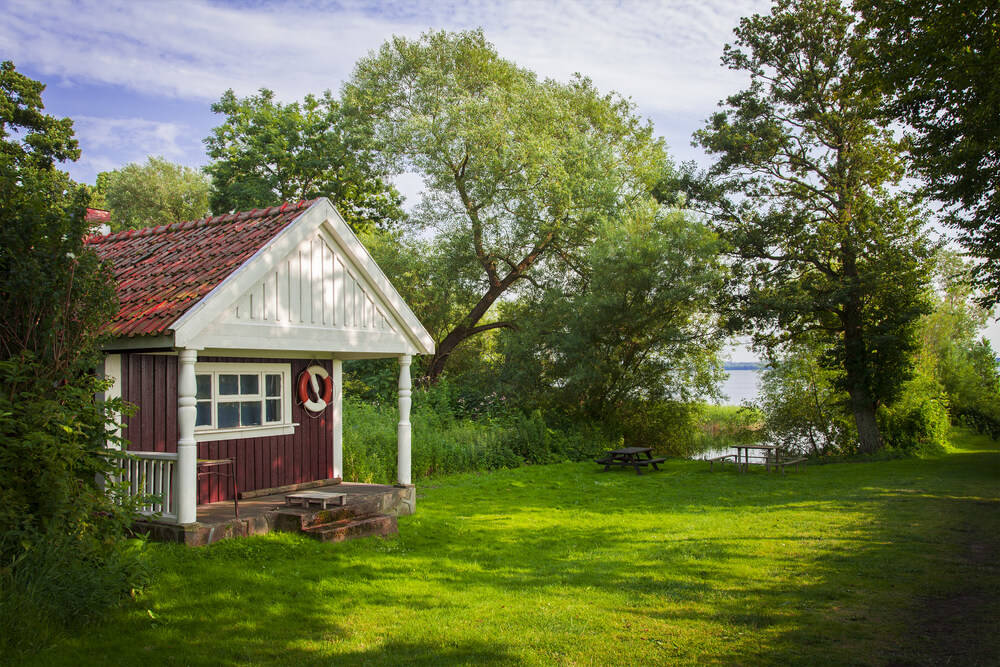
(309, 377)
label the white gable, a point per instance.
(313, 288)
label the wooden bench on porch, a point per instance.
(321, 498)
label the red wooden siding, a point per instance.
(150, 382)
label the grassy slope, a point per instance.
(891, 562)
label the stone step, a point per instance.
(295, 519)
(381, 525)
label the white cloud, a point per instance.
(110, 143)
(664, 55)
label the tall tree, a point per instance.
(56, 298)
(156, 193)
(637, 325)
(54, 295)
(807, 182)
(267, 152)
(520, 173)
(939, 59)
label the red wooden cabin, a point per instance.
(230, 339)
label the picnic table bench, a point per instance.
(721, 460)
(638, 457)
(783, 463)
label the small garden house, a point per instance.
(230, 339)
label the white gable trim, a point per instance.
(188, 329)
(373, 275)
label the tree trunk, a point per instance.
(442, 351)
(466, 329)
(863, 404)
(864, 418)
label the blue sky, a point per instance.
(138, 77)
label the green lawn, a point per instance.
(877, 563)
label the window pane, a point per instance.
(229, 415)
(250, 413)
(204, 383)
(273, 410)
(204, 417)
(228, 385)
(250, 384)
(273, 385)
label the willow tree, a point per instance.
(825, 246)
(520, 173)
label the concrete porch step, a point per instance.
(296, 519)
(381, 525)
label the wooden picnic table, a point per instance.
(771, 457)
(638, 457)
(743, 455)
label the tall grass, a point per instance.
(444, 442)
(719, 427)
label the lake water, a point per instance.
(740, 386)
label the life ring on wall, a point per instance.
(310, 379)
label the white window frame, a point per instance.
(285, 427)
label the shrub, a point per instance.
(918, 421)
(62, 538)
(56, 298)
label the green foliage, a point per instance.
(156, 193)
(637, 324)
(56, 299)
(939, 61)
(918, 422)
(446, 440)
(267, 152)
(805, 191)
(953, 355)
(56, 587)
(804, 410)
(520, 173)
(718, 427)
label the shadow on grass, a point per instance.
(837, 565)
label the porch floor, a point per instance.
(258, 516)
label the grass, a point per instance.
(892, 562)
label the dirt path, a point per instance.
(961, 627)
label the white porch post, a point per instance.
(338, 419)
(403, 431)
(187, 450)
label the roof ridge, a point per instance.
(237, 216)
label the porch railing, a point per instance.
(151, 475)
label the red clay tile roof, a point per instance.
(97, 215)
(163, 271)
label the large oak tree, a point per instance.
(825, 246)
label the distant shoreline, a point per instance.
(742, 365)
